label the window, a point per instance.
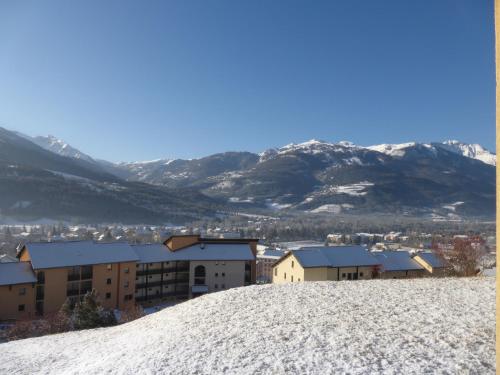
(361, 274)
(126, 270)
(293, 263)
(108, 281)
(22, 291)
(223, 263)
(343, 275)
(298, 279)
(217, 274)
(216, 262)
(108, 295)
(276, 271)
(40, 277)
(199, 275)
(166, 275)
(223, 286)
(109, 267)
(150, 277)
(216, 286)
(125, 284)
(284, 276)
(223, 274)
(128, 297)
(291, 277)
(136, 266)
(20, 308)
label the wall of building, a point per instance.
(122, 277)
(12, 297)
(288, 270)
(230, 274)
(55, 286)
(402, 274)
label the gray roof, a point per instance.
(397, 261)
(211, 251)
(432, 259)
(78, 253)
(335, 256)
(16, 273)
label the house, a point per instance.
(265, 261)
(326, 263)
(71, 269)
(398, 265)
(431, 262)
(17, 290)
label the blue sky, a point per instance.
(139, 80)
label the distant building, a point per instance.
(265, 261)
(326, 263)
(398, 265)
(431, 262)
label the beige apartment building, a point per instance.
(188, 266)
(183, 267)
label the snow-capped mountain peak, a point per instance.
(60, 147)
(474, 151)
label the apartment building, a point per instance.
(183, 267)
(17, 291)
(188, 266)
(71, 269)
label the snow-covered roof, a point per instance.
(335, 256)
(78, 253)
(271, 254)
(205, 251)
(16, 273)
(6, 258)
(397, 261)
(431, 259)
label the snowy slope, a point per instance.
(473, 151)
(60, 147)
(363, 327)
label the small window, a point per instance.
(216, 286)
(223, 286)
(168, 263)
(108, 281)
(108, 295)
(276, 272)
(223, 274)
(166, 275)
(125, 284)
(151, 264)
(137, 266)
(223, 263)
(136, 278)
(109, 267)
(150, 277)
(217, 274)
(216, 262)
(361, 274)
(285, 275)
(291, 277)
(343, 275)
(293, 263)
(20, 308)
(298, 279)
(22, 291)
(126, 270)
(128, 297)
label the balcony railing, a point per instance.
(177, 293)
(183, 280)
(157, 271)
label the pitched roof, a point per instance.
(78, 253)
(397, 261)
(16, 273)
(334, 256)
(432, 259)
(206, 251)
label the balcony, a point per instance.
(157, 271)
(183, 280)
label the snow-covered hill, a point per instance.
(363, 327)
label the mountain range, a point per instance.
(44, 177)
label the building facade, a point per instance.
(49, 273)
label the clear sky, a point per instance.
(139, 80)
